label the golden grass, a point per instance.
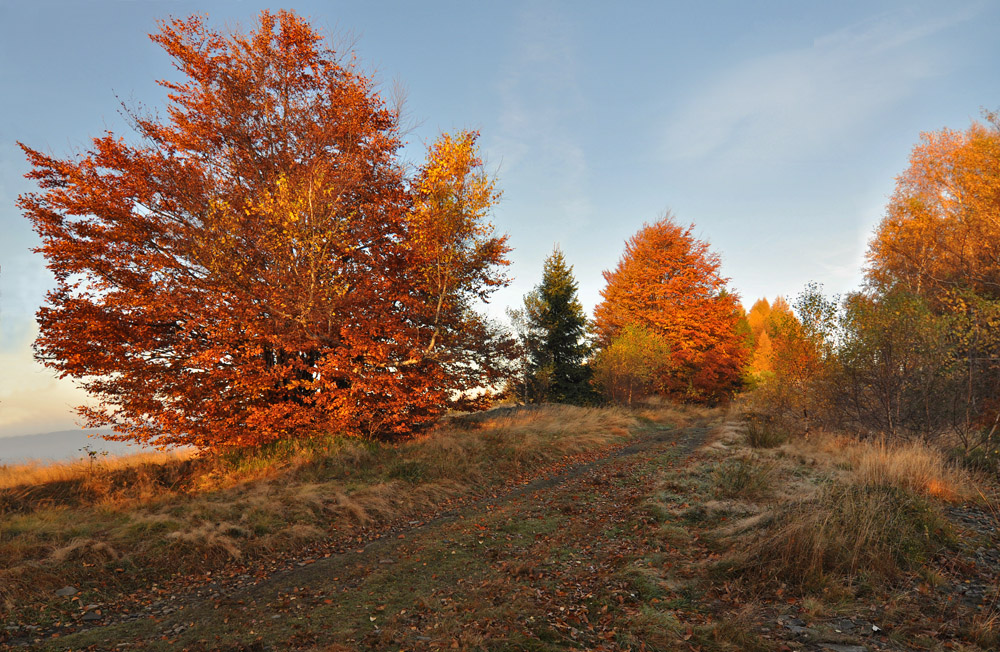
(160, 514)
(852, 531)
(661, 410)
(36, 473)
(841, 510)
(914, 466)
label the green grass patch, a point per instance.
(643, 582)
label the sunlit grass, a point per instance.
(178, 512)
(39, 472)
(914, 466)
(841, 510)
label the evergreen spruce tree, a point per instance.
(553, 330)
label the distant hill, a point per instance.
(61, 445)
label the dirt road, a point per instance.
(549, 565)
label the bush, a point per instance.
(630, 367)
(762, 431)
(981, 455)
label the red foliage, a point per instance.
(243, 274)
(668, 282)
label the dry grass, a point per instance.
(763, 432)
(985, 628)
(825, 528)
(144, 517)
(914, 466)
(852, 532)
(840, 511)
(38, 473)
(743, 477)
(546, 431)
(660, 410)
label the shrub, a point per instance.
(762, 431)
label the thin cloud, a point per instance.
(540, 100)
(782, 105)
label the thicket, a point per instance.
(916, 352)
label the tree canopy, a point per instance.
(668, 282)
(941, 230)
(632, 366)
(258, 266)
(938, 245)
(771, 326)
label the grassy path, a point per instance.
(550, 565)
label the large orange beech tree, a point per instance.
(256, 266)
(668, 283)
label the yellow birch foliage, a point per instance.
(941, 230)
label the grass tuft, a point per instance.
(985, 629)
(762, 431)
(742, 477)
(854, 531)
(914, 466)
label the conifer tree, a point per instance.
(553, 330)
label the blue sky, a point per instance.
(776, 127)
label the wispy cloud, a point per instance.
(786, 103)
(540, 103)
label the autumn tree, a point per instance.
(631, 366)
(455, 256)
(916, 351)
(553, 330)
(760, 339)
(770, 326)
(786, 369)
(256, 266)
(895, 369)
(757, 316)
(941, 230)
(761, 362)
(940, 240)
(668, 282)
